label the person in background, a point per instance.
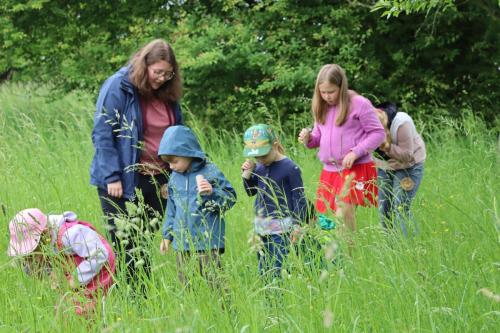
(135, 106)
(347, 131)
(280, 203)
(400, 166)
(52, 244)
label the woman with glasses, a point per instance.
(135, 106)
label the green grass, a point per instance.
(427, 284)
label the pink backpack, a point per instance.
(104, 279)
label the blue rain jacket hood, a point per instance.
(194, 222)
(181, 141)
(117, 133)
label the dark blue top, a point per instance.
(279, 189)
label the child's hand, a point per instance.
(164, 246)
(349, 160)
(73, 285)
(295, 235)
(54, 282)
(204, 187)
(305, 135)
(71, 282)
(385, 146)
(247, 167)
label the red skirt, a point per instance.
(357, 186)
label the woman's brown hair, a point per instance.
(333, 74)
(149, 54)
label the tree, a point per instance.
(245, 61)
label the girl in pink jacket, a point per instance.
(346, 130)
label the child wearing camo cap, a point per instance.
(87, 259)
(280, 204)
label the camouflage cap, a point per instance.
(258, 140)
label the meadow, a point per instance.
(443, 280)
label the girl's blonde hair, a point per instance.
(333, 74)
(384, 120)
(149, 54)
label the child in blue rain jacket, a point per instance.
(198, 196)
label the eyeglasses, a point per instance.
(167, 74)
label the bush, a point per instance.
(246, 61)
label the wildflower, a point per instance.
(327, 318)
(330, 250)
(489, 294)
(153, 222)
(323, 276)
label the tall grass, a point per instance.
(430, 283)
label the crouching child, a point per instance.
(53, 244)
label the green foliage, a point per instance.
(397, 7)
(260, 61)
(245, 61)
(75, 45)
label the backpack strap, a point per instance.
(68, 224)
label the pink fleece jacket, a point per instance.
(361, 133)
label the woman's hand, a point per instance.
(115, 189)
(164, 246)
(305, 135)
(349, 160)
(164, 191)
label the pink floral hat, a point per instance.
(25, 231)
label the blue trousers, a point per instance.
(397, 188)
(274, 253)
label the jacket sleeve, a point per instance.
(168, 224)
(109, 108)
(315, 137)
(85, 243)
(299, 200)
(375, 133)
(250, 185)
(403, 151)
(179, 120)
(223, 195)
